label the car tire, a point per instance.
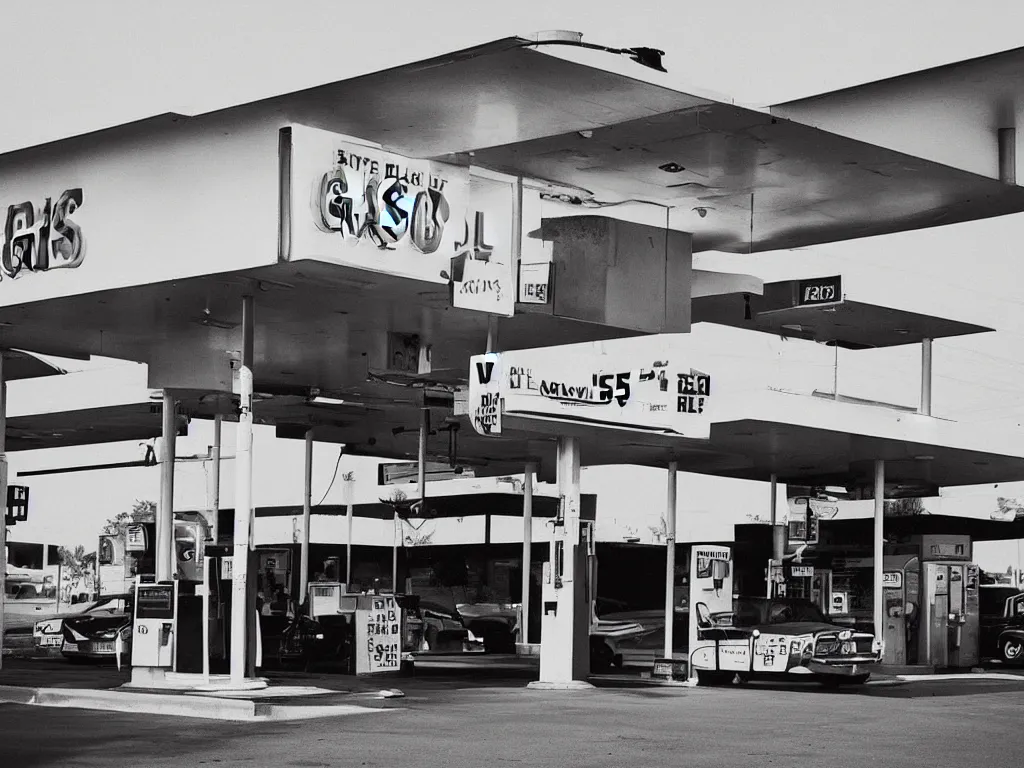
(601, 657)
(1011, 650)
(708, 679)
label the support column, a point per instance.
(3, 502)
(879, 549)
(1007, 142)
(524, 624)
(778, 542)
(926, 377)
(670, 557)
(349, 512)
(307, 511)
(565, 615)
(165, 554)
(218, 422)
(243, 500)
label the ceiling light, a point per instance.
(326, 401)
(924, 458)
(672, 168)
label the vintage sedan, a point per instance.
(48, 633)
(781, 637)
(98, 634)
(1002, 623)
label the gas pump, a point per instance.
(153, 629)
(952, 621)
(564, 608)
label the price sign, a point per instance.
(892, 580)
(379, 636)
(803, 571)
(822, 290)
(17, 504)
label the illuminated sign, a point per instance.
(534, 282)
(44, 238)
(822, 290)
(892, 579)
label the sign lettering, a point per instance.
(42, 239)
(824, 290)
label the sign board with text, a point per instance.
(892, 580)
(583, 387)
(820, 290)
(378, 634)
(357, 205)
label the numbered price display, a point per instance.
(379, 636)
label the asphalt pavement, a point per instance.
(444, 723)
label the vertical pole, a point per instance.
(165, 557)
(524, 624)
(670, 557)
(348, 546)
(776, 540)
(926, 377)
(879, 552)
(206, 620)
(835, 375)
(3, 502)
(243, 500)
(218, 422)
(307, 511)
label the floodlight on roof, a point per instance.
(642, 55)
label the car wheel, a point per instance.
(1012, 650)
(707, 679)
(601, 657)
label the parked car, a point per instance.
(495, 624)
(93, 634)
(48, 633)
(780, 637)
(444, 632)
(1002, 623)
(634, 639)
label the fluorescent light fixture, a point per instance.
(327, 401)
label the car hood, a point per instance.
(92, 625)
(800, 628)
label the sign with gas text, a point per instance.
(357, 205)
(584, 388)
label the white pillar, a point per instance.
(307, 510)
(243, 501)
(218, 422)
(565, 616)
(165, 553)
(524, 624)
(3, 502)
(879, 548)
(926, 377)
(670, 556)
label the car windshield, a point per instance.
(753, 611)
(108, 605)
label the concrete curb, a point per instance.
(572, 685)
(178, 705)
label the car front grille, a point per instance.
(831, 646)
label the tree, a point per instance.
(904, 507)
(143, 511)
(78, 568)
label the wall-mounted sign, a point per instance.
(576, 387)
(892, 579)
(37, 239)
(357, 205)
(135, 538)
(821, 290)
(802, 571)
(534, 283)
(839, 603)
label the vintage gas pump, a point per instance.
(153, 630)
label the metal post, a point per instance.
(165, 555)
(879, 551)
(206, 621)
(926, 377)
(218, 422)
(3, 502)
(524, 624)
(348, 546)
(777, 553)
(307, 510)
(492, 332)
(243, 500)
(670, 557)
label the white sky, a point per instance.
(71, 67)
